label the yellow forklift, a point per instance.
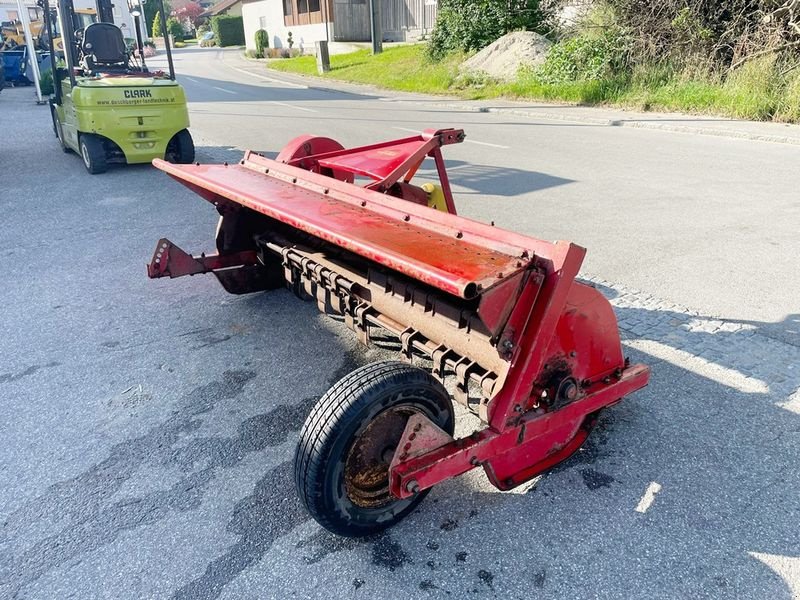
(108, 106)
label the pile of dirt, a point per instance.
(503, 58)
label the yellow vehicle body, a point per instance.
(140, 115)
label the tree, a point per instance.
(156, 31)
(175, 29)
(190, 13)
(262, 42)
(150, 11)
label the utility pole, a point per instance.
(375, 26)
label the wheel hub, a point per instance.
(366, 470)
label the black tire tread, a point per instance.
(184, 154)
(327, 414)
(97, 153)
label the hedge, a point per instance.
(228, 30)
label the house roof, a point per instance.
(220, 7)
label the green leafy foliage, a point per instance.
(156, 31)
(46, 82)
(150, 11)
(262, 42)
(584, 58)
(175, 29)
(469, 25)
(228, 30)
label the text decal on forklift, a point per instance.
(138, 94)
(142, 99)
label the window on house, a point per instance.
(33, 14)
(302, 12)
(13, 16)
(262, 23)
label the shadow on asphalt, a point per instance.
(478, 179)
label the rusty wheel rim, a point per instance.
(366, 470)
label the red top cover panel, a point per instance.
(375, 163)
(452, 253)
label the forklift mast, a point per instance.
(105, 11)
(105, 14)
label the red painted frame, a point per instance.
(385, 163)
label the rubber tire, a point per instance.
(59, 134)
(180, 149)
(53, 118)
(93, 153)
(335, 421)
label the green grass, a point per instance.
(400, 68)
(757, 91)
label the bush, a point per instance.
(469, 25)
(584, 58)
(262, 43)
(175, 29)
(46, 82)
(149, 44)
(228, 30)
(156, 32)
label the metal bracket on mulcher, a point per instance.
(239, 273)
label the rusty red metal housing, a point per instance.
(535, 354)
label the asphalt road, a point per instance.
(147, 427)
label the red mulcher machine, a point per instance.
(534, 354)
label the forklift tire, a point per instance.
(59, 133)
(93, 153)
(342, 460)
(180, 149)
(53, 118)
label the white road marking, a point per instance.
(224, 90)
(286, 104)
(270, 79)
(787, 567)
(792, 404)
(469, 141)
(192, 79)
(701, 366)
(649, 496)
(466, 140)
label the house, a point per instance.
(310, 21)
(225, 7)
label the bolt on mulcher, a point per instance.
(535, 354)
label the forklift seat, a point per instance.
(104, 48)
